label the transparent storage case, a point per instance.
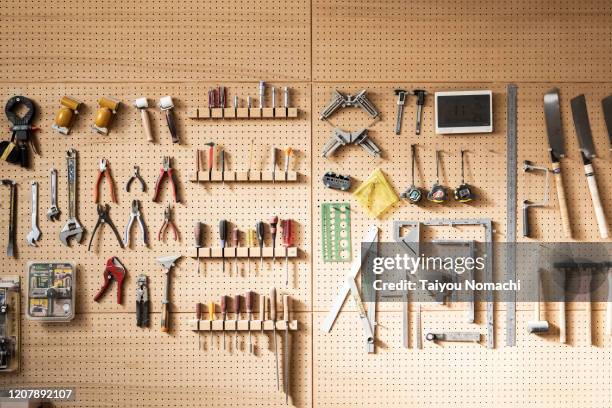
(51, 295)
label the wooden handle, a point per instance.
(248, 301)
(196, 160)
(562, 323)
(273, 304)
(565, 221)
(211, 311)
(286, 302)
(599, 212)
(146, 124)
(197, 232)
(165, 317)
(262, 307)
(536, 311)
(236, 305)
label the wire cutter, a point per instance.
(103, 218)
(168, 224)
(104, 170)
(165, 170)
(136, 176)
(115, 271)
(135, 214)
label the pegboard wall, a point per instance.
(152, 49)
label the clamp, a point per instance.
(142, 301)
(114, 271)
(342, 138)
(168, 224)
(22, 128)
(166, 170)
(340, 100)
(136, 176)
(66, 115)
(104, 170)
(104, 218)
(135, 214)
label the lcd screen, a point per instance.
(463, 113)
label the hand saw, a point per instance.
(587, 150)
(607, 110)
(552, 114)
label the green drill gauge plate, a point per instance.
(336, 232)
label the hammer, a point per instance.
(536, 325)
(142, 104)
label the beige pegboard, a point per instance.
(468, 40)
(154, 41)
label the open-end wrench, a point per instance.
(72, 227)
(10, 246)
(34, 234)
(53, 212)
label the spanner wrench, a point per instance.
(10, 246)
(53, 212)
(34, 234)
(72, 227)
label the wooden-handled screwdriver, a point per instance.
(273, 318)
(273, 224)
(211, 318)
(262, 311)
(288, 152)
(249, 309)
(250, 242)
(236, 318)
(235, 242)
(198, 230)
(259, 228)
(273, 151)
(211, 159)
(287, 237)
(199, 317)
(287, 356)
(223, 316)
(223, 239)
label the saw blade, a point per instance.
(552, 114)
(607, 110)
(583, 127)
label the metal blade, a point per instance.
(552, 114)
(583, 127)
(607, 110)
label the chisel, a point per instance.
(211, 318)
(223, 239)
(287, 237)
(248, 300)
(198, 235)
(273, 224)
(587, 150)
(259, 228)
(287, 356)
(222, 160)
(235, 241)
(250, 242)
(223, 316)
(273, 151)
(273, 318)
(262, 311)
(236, 318)
(199, 317)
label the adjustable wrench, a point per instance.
(10, 246)
(34, 234)
(53, 212)
(72, 227)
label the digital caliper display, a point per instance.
(464, 111)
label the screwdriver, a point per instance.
(250, 242)
(286, 100)
(211, 317)
(288, 152)
(235, 241)
(249, 308)
(273, 157)
(273, 318)
(198, 235)
(273, 224)
(287, 357)
(211, 158)
(223, 316)
(223, 238)
(259, 228)
(262, 311)
(199, 317)
(287, 237)
(222, 159)
(236, 318)
(250, 160)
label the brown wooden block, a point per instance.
(229, 113)
(280, 113)
(266, 176)
(242, 176)
(216, 176)
(267, 113)
(292, 113)
(255, 113)
(242, 113)
(216, 113)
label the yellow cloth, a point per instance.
(376, 194)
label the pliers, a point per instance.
(114, 271)
(167, 224)
(166, 169)
(103, 218)
(135, 214)
(104, 170)
(136, 176)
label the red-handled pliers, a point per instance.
(168, 224)
(104, 170)
(166, 169)
(114, 271)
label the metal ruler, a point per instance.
(511, 163)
